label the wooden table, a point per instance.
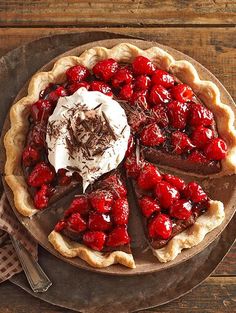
(203, 29)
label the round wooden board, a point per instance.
(221, 189)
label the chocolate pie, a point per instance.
(81, 125)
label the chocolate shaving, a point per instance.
(108, 126)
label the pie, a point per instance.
(109, 110)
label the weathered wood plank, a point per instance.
(213, 48)
(215, 295)
(117, 12)
(228, 265)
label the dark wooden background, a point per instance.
(203, 29)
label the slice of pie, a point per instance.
(94, 227)
(176, 215)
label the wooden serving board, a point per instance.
(91, 292)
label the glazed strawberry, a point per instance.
(105, 69)
(41, 197)
(131, 146)
(30, 156)
(142, 82)
(181, 209)
(60, 226)
(201, 136)
(72, 88)
(94, 239)
(178, 114)
(102, 87)
(76, 222)
(143, 66)
(139, 98)
(197, 157)
(101, 200)
(182, 92)
(195, 193)
(148, 206)
(54, 95)
(37, 136)
(41, 174)
(41, 110)
(159, 95)
(118, 237)
(181, 142)
(175, 181)
(120, 211)
(216, 149)
(63, 178)
(159, 114)
(163, 78)
(137, 119)
(115, 185)
(166, 194)
(160, 227)
(148, 177)
(122, 77)
(101, 222)
(132, 166)
(79, 204)
(77, 73)
(200, 115)
(151, 135)
(126, 92)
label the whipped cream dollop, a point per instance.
(87, 133)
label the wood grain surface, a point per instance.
(203, 29)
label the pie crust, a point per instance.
(14, 142)
(71, 249)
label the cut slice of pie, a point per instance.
(95, 226)
(176, 215)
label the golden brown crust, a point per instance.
(15, 138)
(194, 234)
(71, 249)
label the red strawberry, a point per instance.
(115, 185)
(200, 115)
(120, 211)
(148, 206)
(216, 149)
(175, 181)
(143, 66)
(181, 142)
(181, 209)
(178, 114)
(41, 110)
(163, 78)
(122, 77)
(201, 136)
(139, 98)
(131, 146)
(55, 94)
(79, 204)
(60, 226)
(102, 87)
(41, 174)
(77, 73)
(160, 227)
(41, 197)
(148, 177)
(151, 135)
(142, 82)
(166, 194)
(105, 69)
(63, 179)
(159, 95)
(133, 166)
(126, 92)
(118, 237)
(72, 88)
(101, 200)
(101, 222)
(194, 192)
(76, 222)
(182, 92)
(37, 136)
(30, 156)
(197, 157)
(94, 239)
(159, 114)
